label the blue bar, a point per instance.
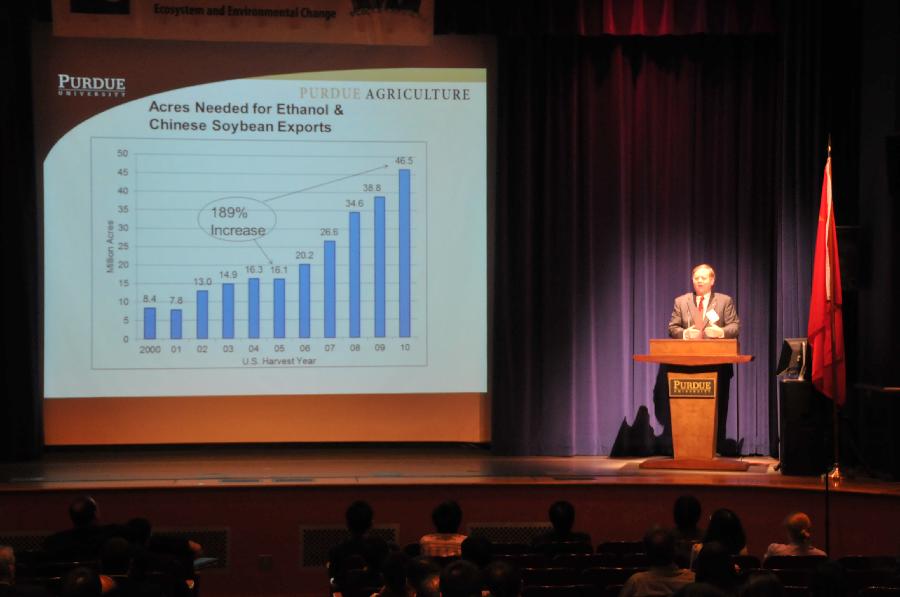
(304, 300)
(278, 308)
(175, 324)
(202, 314)
(379, 267)
(330, 290)
(149, 323)
(405, 248)
(253, 308)
(354, 274)
(228, 310)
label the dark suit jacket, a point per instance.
(720, 303)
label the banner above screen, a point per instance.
(368, 22)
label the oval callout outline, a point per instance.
(256, 209)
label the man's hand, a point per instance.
(691, 333)
(714, 331)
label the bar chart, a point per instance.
(228, 253)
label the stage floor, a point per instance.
(251, 466)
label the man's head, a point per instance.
(84, 512)
(704, 277)
(562, 516)
(659, 545)
(504, 580)
(424, 577)
(461, 579)
(447, 517)
(359, 517)
(686, 512)
(7, 565)
(82, 582)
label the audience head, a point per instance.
(798, 527)
(359, 517)
(714, 566)
(725, 528)
(659, 545)
(562, 516)
(461, 579)
(447, 517)
(424, 577)
(503, 579)
(81, 582)
(762, 583)
(84, 512)
(115, 557)
(686, 512)
(477, 550)
(7, 564)
(394, 571)
(138, 530)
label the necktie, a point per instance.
(700, 323)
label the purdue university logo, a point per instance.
(697, 387)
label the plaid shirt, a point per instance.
(442, 545)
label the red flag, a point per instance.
(826, 324)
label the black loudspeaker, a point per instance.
(806, 429)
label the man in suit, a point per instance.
(700, 314)
(715, 312)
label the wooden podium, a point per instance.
(692, 400)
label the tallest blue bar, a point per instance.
(405, 249)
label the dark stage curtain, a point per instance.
(20, 407)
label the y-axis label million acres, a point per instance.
(246, 253)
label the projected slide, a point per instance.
(251, 240)
(313, 233)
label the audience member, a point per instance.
(83, 541)
(424, 577)
(461, 579)
(714, 567)
(686, 513)
(446, 542)
(562, 517)
(762, 583)
(798, 528)
(478, 550)
(82, 582)
(7, 565)
(115, 564)
(663, 577)
(503, 580)
(362, 549)
(725, 528)
(8, 585)
(395, 576)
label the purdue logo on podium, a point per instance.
(692, 387)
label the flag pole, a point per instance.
(835, 475)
